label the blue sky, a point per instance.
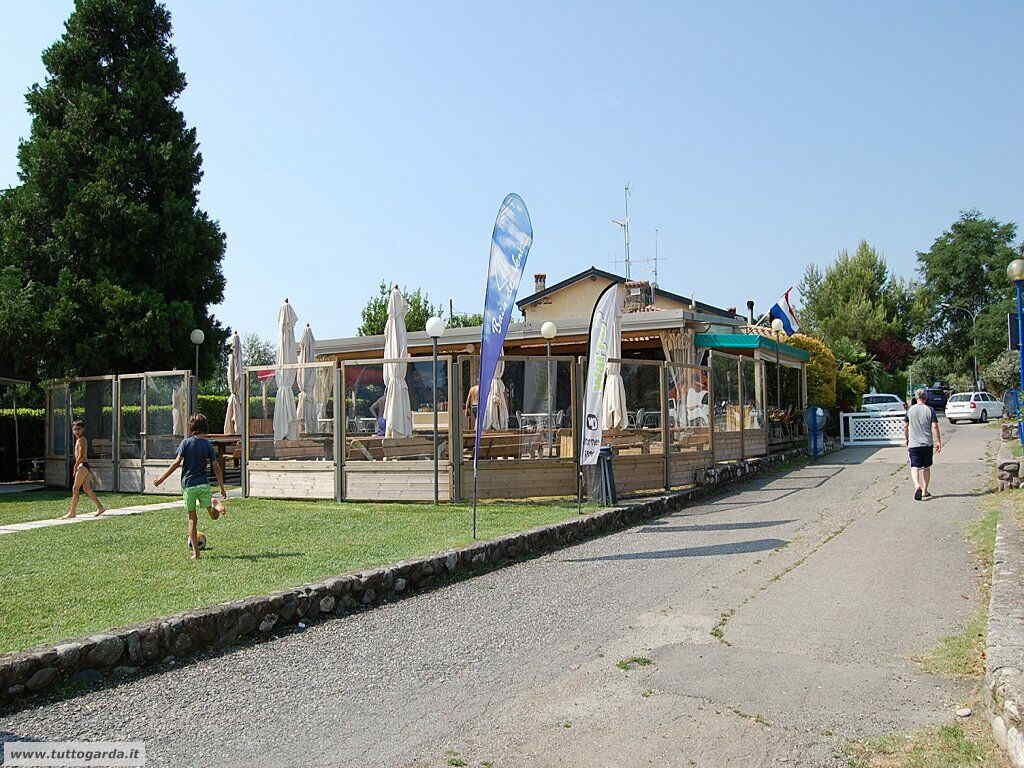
(345, 143)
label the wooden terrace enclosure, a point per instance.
(701, 388)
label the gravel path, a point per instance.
(780, 619)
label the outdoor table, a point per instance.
(222, 442)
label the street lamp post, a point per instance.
(778, 327)
(197, 337)
(435, 327)
(974, 336)
(1015, 271)
(549, 330)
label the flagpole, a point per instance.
(474, 496)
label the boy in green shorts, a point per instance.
(193, 454)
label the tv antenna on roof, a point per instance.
(624, 224)
(654, 260)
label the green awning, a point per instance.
(735, 341)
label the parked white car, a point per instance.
(973, 406)
(882, 402)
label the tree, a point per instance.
(821, 370)
(375, 313)
(257, 351)
(927, 368)
(465, 321)
(857, 298)
(966, 268)
(108, 258)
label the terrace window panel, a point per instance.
(689, 410)
(131, 417)
(93, 403)
(167, 414)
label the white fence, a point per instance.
(867, 428)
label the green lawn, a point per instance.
(66, 581)
(40, 505)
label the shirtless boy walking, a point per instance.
(82, 473)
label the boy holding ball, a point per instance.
(193, 454)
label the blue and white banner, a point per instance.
(602, 328)
(783, 310)
(510, 244)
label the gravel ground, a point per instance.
(780, 619)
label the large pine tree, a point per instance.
(106, 260)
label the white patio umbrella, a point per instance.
(305, 410)
(397, 412)
(286, 426)
(179, 408)
(497, 401)
(233, 414)
(613, 407)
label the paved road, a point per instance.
(821, 583)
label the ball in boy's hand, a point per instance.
(202, 541)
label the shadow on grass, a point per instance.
(254, 557)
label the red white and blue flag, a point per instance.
(784, 311)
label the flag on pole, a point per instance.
(510, 244)
(602, 324)
(784, 311)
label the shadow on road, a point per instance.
(715, 526)
(712, 550)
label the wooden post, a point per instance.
(711, 405)
(665, 441)
(342, 410)
(455, 429)
(115, 452)
(244, 463)
(339, 459)
(743, 420)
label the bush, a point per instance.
(821, 370)
(1003, 373)
(850, 385)
(31, 438)
(214, 407)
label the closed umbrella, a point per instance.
(613, 410)
(286, 426)
(179, 408)
(397, 412)
(306, 409)
(233, 414)
(497, 401)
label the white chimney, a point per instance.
(538, 282)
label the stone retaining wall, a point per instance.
(1004, 645)
(124, 652)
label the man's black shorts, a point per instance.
(921, 456)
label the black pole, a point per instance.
(434, 339)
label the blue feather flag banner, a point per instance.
(510, 245)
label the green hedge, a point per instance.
(31, 438)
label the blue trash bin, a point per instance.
(815, 418)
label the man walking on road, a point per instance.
(920, 424)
